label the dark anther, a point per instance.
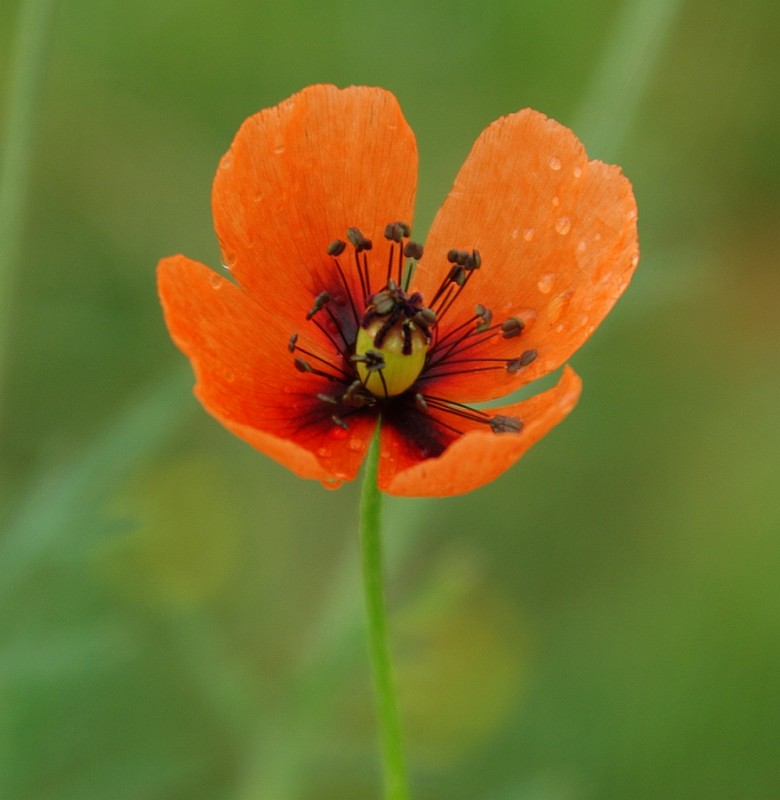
(512, 327)
(394, 232)
(302, 366)
(336, 247)
(320, 301)
(373, 359)
(356, 397)
(463, 258)
(327, 398)
(502, 424)
(425, 318)
(486, 315)
(474, 261)
(526, 357)
(420, 404)
(384, 302)
(405, 228)
(452, 256)
(457, 275)
(413, 250)
(293, 341)
(357, 240)
(340, 422)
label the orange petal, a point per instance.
(297, 176)
(246, 377)
(558, 241)
(477, 457)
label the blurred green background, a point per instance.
(181, 617)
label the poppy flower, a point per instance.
(336, 316)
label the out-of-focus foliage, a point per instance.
(181, 617)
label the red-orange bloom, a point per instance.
(339, 318)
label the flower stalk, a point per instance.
(395, 780)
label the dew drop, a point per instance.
(582, 246)
(556, 201)
(324, 452)
(596, 237)
(516, 233)
(577, 172)
(563, 225)
(559, 328)
(215, 281)
(529, 234)
(332, 484)
(356, 445)
(546, 283)
(555, 163)
(279, 149)
(559, 305)
(338, 433)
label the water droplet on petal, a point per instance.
(529, 234)
(577, 172)
(546, 282)
(338, 433)
(215, 281)
(559, 305)
(581, 246)
(356, 445)
(515, 233)
(563, 225)
(332, 483)
(556, 201)
(555, 163)
(324, 452)
(279, 149)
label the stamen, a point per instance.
(373, 359)
(394, 232)
(344, 283)
(512, 327)
(336, 247)
(358, 241)
(339, 421)
(502, 424)
(486, 315)
(413, 250)
(293, 341)
(320, 301)
(303, 366)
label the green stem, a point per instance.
(27, 66)
(373, 587)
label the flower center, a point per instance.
(388, 349)
(393, 341)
